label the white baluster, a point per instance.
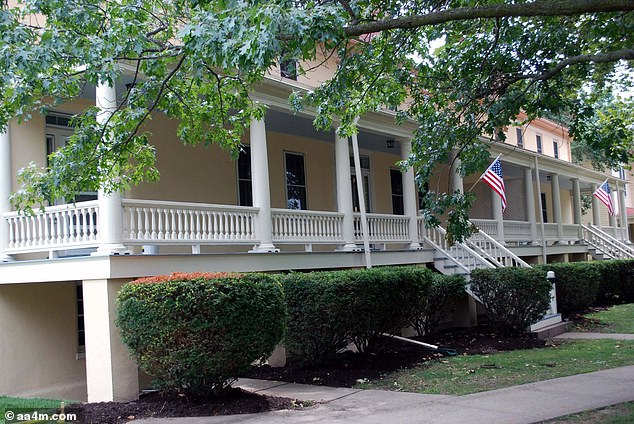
(153, 223)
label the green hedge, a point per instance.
(435, 301)
(583, 284)
(577, 285)
(513, 298)
(197, 334)
(328, 310)
(616, 282)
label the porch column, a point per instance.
(409, 195)
(596, 217)
(457, 183)
(498, 216)
(110, 373)
(260, 187)
(529, 199)
(344, 191)
(612, 218)
(110, 223)
(554, 180)
(5, 190)
(625, 236)
(576, 206)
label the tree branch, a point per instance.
(537, 8)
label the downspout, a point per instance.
(361, 195)
(541, 208)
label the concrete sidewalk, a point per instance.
(528, 403)
(596, 336)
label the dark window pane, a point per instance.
(296, 197)
(244, 164)
(397, 181)
(539, 143)
(520, 138)
(245, 193)
(556, 149)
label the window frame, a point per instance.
(397, 196)
(248, 180)
(286, 184)
(539, 143)
(555, 149)
(519, 133)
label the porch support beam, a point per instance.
(529, 194)
(576, 201)
(344, 191)
(110, 223)
(556, 195)
(409, 195)
(596, 217)
(5, 189)
(623, 213)
(110, 373)
(260, 187)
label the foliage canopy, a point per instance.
(198, 61)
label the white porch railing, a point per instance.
(383, 228)
(158, 222)
(627, 248)
(605, 244)
(516, 231)
(57, 227)
(460, 254)
(298, 226)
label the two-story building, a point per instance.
(291, 201)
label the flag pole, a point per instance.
(485, 171)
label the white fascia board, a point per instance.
(61, 269)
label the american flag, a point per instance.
(603, 194)
(493, 178)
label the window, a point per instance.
(365, 179)
(295, 182)
(58, 131)
(520, 137)
(556, 149)
(396, 178)
(81, 332)
(538, 138)
(544, 208)
(245, 194)
(288, 68)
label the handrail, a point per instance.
(616, 241)
(607, 246)
(507, 254)
(437, 238)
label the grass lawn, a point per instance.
(623, 413)
(25, 403)
(617, 319)
(476, 373)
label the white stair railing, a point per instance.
(494, 251)
(460, 254)
(604, 244)
(629, 249)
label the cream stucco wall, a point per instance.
(549, 132)
(38, 323)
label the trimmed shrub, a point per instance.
(328, 310)
(513, 298)
(577, 285)
(196, 333)
(616, 281)
(435, 301)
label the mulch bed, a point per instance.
(160, 405)
(349, 367)
(346, 371)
